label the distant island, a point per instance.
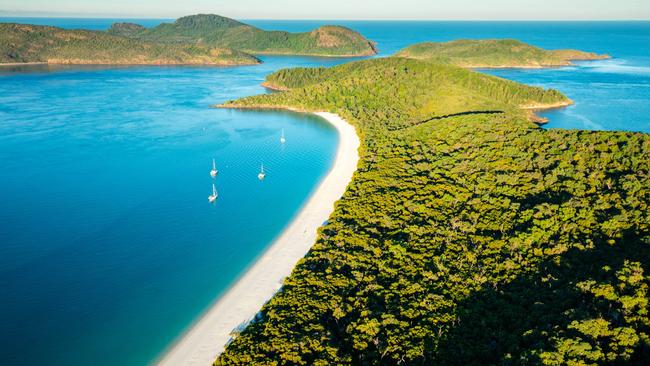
(494, 53)
(468, 235)
(21, 43)
(196, 40)
(217, 31)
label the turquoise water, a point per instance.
(609, 95)
(108, 246)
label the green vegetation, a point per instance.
(432, 91)
(218, 31)
(468, 235)
(494, 54)
(198, 39)
(129, 30)
(20, 43)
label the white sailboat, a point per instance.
(214, 195)
(262, 175)
(214, 171)
(282, 139)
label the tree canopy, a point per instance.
(468, 235)
(217, 31)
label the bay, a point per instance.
(109, 249)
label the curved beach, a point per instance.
(209, 336)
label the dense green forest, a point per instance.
(21, 43)
(449, 90)
(468, 235)
(494, 53)
(218, 31)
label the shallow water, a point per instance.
(608, 95)
(108, 246)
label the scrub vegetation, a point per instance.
(494, 53)
(21, 43)
(197, 39)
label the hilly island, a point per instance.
(495, 53)
(468, 234)
(215, 40)
(215, 30)
(198, 39)
(20, 43)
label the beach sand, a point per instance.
(208, 337)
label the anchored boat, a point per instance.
(214, 195)
(214, 171)
(262, 175)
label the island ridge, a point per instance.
(198, 40)
(217, 31)
(495, 53)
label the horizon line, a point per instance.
(122, 16)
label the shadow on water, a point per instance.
(513, 323)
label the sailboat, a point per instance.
(214, 195)
(262, 175)
(214, 171)
(282, 139)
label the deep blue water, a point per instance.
(108, 246)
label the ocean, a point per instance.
(109, 249)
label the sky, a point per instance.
(339, 9)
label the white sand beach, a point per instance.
(208, 337)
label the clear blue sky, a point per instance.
(337, 9)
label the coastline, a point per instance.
(541, 107)
(207, 338)
(532, 109)
(274, 87)
(321, 55)
(515, 66)
(225, 64)
(22, 63)
(566, 63)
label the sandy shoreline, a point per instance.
(22, 63)
(208, 337)
(547, 106)
(127, 64)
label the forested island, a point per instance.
(22, 43)
(217, 31)
(198, 39)
(468, 235)
(495, 53)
